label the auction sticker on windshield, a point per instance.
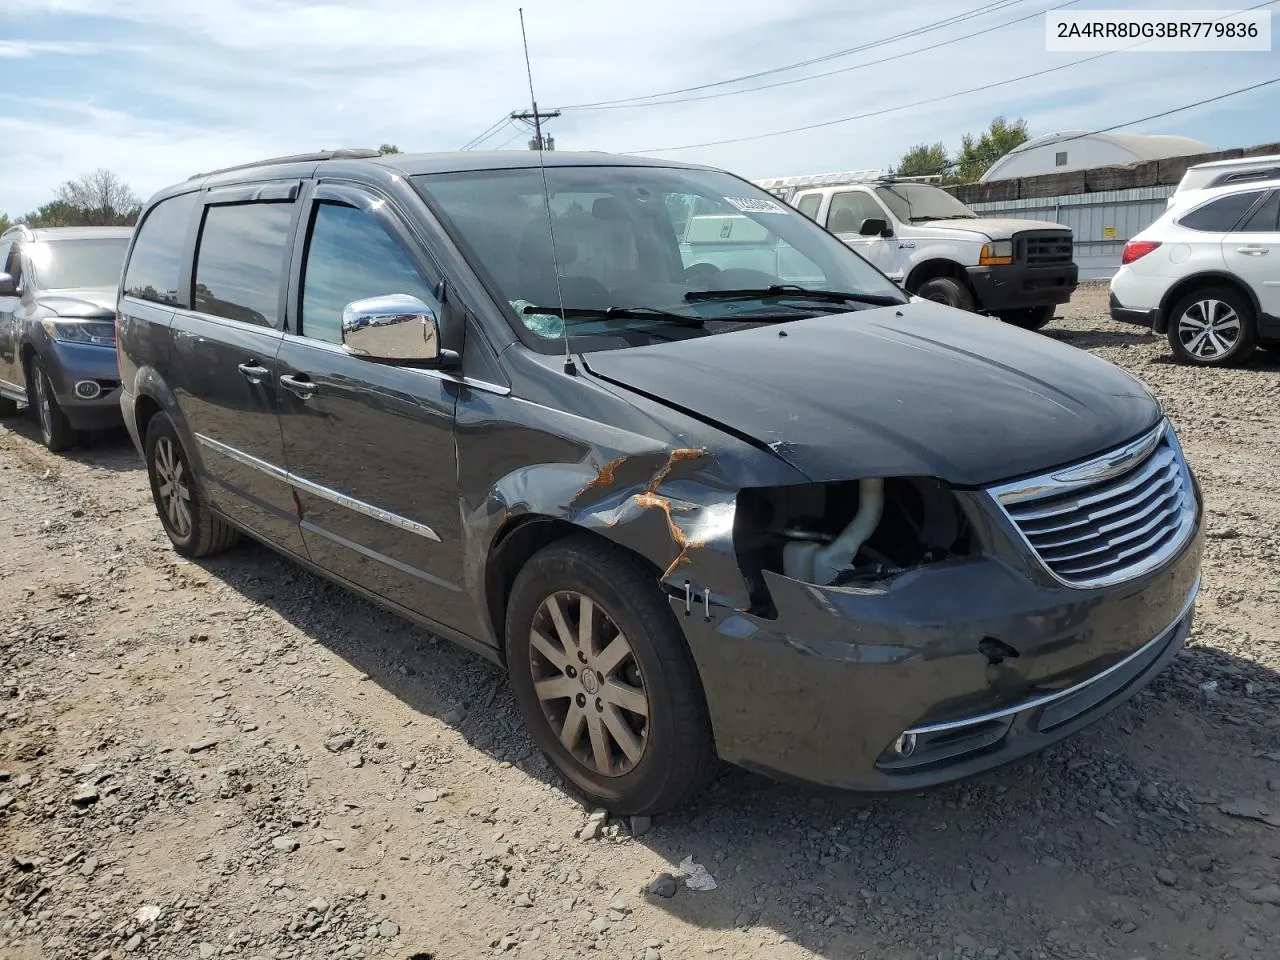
(755, 205)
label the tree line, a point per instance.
(977, 153)
(97, 199)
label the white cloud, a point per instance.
(201, 85)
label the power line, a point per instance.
(510, 140)
(907, 106)
(831, 73)
(1127, 123)
(489, 132)
(915, 31)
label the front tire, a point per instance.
(604, 680)
(948, 291)
(56, 431)
(1213, 327)
(193, 529)
(1028, 318)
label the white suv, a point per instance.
(1207, 274)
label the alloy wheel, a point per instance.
(174, 491)
(589, 684)
(1209, 329)
(43, 410)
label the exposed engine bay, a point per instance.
(849, 532)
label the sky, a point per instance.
(157, 90)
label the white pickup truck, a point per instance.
(932, 245)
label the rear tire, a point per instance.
(948, 291)
(55, 429)
(193, 528)
(1028, 318)
(1213, 327)
(639, 742)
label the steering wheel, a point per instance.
(700, 273)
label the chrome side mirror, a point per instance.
(396, 328)
(8, 287)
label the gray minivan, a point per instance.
(697, 510)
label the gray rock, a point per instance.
(6, 800)
(1267, 894)
(523, 900)
(133, 943)
(196, 746)
(90, 864)
(388, 929)
(284, 844)
(319, 905)
(594, 826)
(663, 885)
(85, 795)
(652, 953)
(1167, 877)
(207, 950)
(1128, 926)
(339, 743)
(640, 826)
(598, 925)
(426, 796)
(966, 942)
(508, 943)
(1201, 861)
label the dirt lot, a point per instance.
(235, 758)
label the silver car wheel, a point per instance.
(1209, 329)
(171, 482)
(589, 684)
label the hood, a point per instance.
(88, 303)
(995, 228)
(917, 390)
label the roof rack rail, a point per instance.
(20, 228)
(353, 153)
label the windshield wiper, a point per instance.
(792, 292)
(616, 313)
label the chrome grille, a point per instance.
(1110, 519)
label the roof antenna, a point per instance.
(569, 366)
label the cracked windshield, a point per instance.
(647, 255)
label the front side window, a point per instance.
(350, 256)
(1220, 215)
(700, 246)
(1266, 219)
(5, 265)
(69, 264)
(156, 261)
(920, 202)
(849, 209)
(240, 261)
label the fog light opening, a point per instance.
(905, 745)
(88, 389)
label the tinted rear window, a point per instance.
(240, 261)
(1221, 215)
(157, 253)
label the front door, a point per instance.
(224, 358)
(370, 446)
(1252, 252)
(845, 214)
(11, 382)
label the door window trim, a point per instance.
(271, 192)
(870, 195)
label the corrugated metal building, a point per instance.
(1101, 222)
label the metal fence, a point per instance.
(1101, 222)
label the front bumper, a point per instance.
(1016, 286)
(1122, 314)
(71, 363)
(824, 691)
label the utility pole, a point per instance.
(535, 117)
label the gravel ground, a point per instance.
(235, 758)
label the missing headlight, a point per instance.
(917, 521)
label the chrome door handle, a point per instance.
(1253, 251)
(302, 389)
(252, 372)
